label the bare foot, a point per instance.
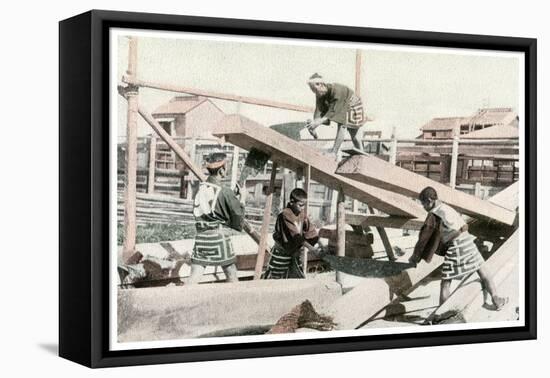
(499, 302)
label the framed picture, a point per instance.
(235, 188)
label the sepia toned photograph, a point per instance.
(267, 189)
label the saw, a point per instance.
(360, 266)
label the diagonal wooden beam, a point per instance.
(291, 154)
(377, 172)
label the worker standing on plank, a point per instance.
(445, 232)
(292, 229)
(216, 210)
(339, 104)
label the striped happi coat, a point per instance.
(216, 208)
(462, 257)
(290, 232)
(341, 105)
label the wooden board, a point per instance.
(374, 171)
(386, 221)
(288, 153)
(365, 300)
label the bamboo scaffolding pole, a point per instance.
(217, 95)
(307, 182)
(152, 164)
(262, 245)
(131, 156)
(340, 230)
(454, 163)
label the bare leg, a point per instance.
(196, 274)
(353, 134)
(230, 273)
(489, 285)
(340, 133)
(445, 291)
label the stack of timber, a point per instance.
(379, 173)
(289, 153)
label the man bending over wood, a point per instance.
(337, 103)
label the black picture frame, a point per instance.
(84, 194)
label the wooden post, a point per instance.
(307, 181)
(384, 238)
(131, 157)
(192, 149)
(265, 225)
(358, 72)
(341, 230)
(288, 185)
(355, 203)
(477, 190)
(258, 193)
(393, 149)
(333, 205)
(234, 167)
(454, 163)
(335, 195)
(152, 164)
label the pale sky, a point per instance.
(401, 89)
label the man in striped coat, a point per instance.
(292, 229)
(445, 232)
(216, 210)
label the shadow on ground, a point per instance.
(50, 348)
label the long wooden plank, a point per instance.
(374, 171)
(358, 305)
(288, 153)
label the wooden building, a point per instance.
(485, 146)
(188, 116)
(449, 127)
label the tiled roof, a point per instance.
(487, 116)
(446, 123)
(494, 132)
(494, 116)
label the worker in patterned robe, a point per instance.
(292, 229)
(216, 210)
(444, 232)
(337, 103)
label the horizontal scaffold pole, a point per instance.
(218, 95)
